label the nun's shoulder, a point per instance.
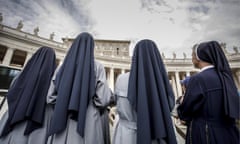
(202, 74)
(123, 77)
(194, 78)
(98, 64)
(121, 85)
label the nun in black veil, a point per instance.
(26, 98)
(211, 102)
(145, 100)
(81, 93)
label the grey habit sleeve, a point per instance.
(52, 94)
(103, 92)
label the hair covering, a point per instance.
(75, 85)
(212, 52)
(27, 95)
(185, 81)
(151, 95)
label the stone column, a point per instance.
(111, 80)
(174, 85)
(238, 79)
(179, 88)
(8, 56)
(122, 71)
(29, 55)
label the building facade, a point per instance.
(17, 46)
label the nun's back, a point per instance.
(126, 129)
(93, 126)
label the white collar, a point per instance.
(207, 67)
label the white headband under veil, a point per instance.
(195, 47)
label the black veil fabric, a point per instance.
(27, 96)
(212, 52)
(150, 93)
(75, 85)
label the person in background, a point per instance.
(179, 100)
(27, 99)
(144, 100)
(82, 94)
(184, 84)
(211, 102)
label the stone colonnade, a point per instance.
(174, 77)
(113, 72)
(7, 59)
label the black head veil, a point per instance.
(27, 95)
(75, 85)
(212, 52)
(150, 93)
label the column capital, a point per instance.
(176, 72)
(112, 68)
(10, 48)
